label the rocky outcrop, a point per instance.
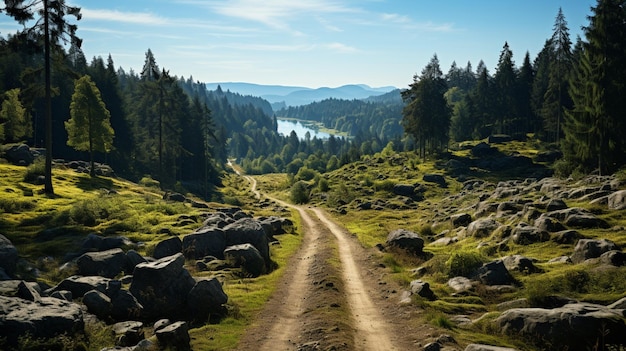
(107, 264)
(247, 257)
(591, 248)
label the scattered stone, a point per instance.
(128, 333)
(406, 239)
(107, 264)
(494, 273)
(436, 178)
(482, 228)
(422, 289)
(481, 347)
(79, 286)
(461, 220)
(175, 335)
(524, 234)
(205, 298)
(617, 200)
(520, 263)
(247, 257)
(460, 284)
(168, 247)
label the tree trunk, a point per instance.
(48, 189)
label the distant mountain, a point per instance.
(281, 96)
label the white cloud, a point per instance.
(124, 17)
(342, 48)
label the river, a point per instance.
(286, 126)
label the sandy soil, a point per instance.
(335, 296)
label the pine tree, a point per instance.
(426, 115)
(89, 127)
(54, 29)
(556, 98)
(595, 124)
(505, 82)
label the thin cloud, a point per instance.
(341, 48)
(124, 17)
(407, 22)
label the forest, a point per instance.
(154, 124)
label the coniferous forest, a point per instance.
(174, 130)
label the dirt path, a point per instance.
(321, 304)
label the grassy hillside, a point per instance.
(46, 229)
(360, 196)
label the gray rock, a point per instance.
(614, 258)
(162, 286)
(8, 256)
(133, 258)
(461, 220)
(591, 248)
(549, 224)
(569, 236)
(482, 228)
(63, 295)
(555, 205)
(520, 263)
(168, 247)
(79, 286)
(94, 242)
(44, 319)
(248, 231)
(125, 306)
(578, 218)
(205, 298)
(518, 303)
(460, 284)
(19, 155)
(275, 225)
(524, 234)
(175, 335)
(208, 241)
(128, 333)
(176, 197)
(617, 200)
(422, 288)
(494, 273)
(107, 264)
(407, 240)
(247, 257)
(28, 291)
(575, 326)
(98, 303)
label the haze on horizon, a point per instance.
(317, 43)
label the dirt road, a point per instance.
(323, 304)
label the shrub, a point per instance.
(15, 205)
(300, 193)
(148, 182)
(323, 185)
(463, 263)
(306, 174)
(35, 170)
(384, 185)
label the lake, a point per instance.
(286, 126)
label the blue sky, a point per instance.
(316, 43)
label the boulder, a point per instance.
(205, 298)
(94, 242)
(175, 336)
(128, 333)
(520, 263)
(591, 248)
(274, 225)
(574, 326)
(217, 220)
(107, 264)
(176, 197)
(133, 258)
(79, 286)
(247, 257)
(18, 288)
(98, 303)
(578, 217)
(422, 288)
(168, 247)
(407, 190)
(494, 273)
(619, 304)
(524, 234)
(125, 306)
(482, 228)
(247, 230)
(483, 150)
(555, 205)
(461, 220)
(407, 240)
(568, 236)
(549, 224)
(460, 284)
(19, 154)
(617, 200)
(8, 256)
(614, 258)
(162, 286)
(208, 241)
(47, 318)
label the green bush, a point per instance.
(306, 174)
(323, 185)
(464, 263)
(35, 170)
(15, 205)
(148, 182)
(300, 193)
(384, 185)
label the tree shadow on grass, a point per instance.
(95, 183)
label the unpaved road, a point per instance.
(322, 305)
